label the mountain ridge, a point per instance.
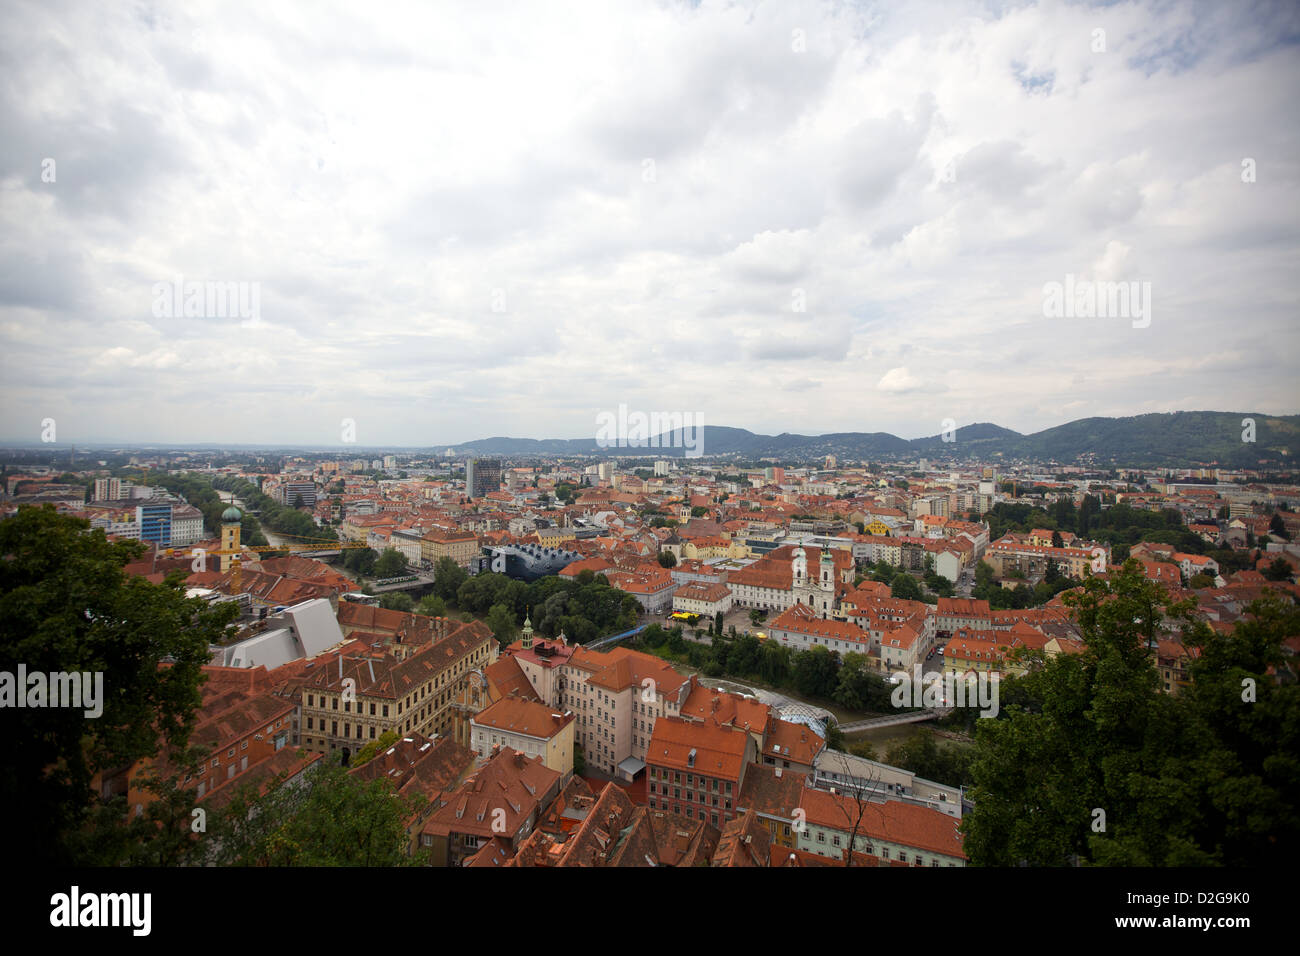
(1154, 439)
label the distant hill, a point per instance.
(1175, 439)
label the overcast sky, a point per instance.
(505, 218)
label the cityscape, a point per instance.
(701, 435)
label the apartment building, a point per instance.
(502, 800)
(533, 729)
(697, 769)
(706, 600)
(460, 546)
(952, 614)
(616, 696)
(1009, 557)
(892, 830)
(346, 706)
(801, 628)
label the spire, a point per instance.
(527, 641)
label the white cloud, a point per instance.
(899, 380)
(448, 212)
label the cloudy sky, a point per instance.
(470, 219)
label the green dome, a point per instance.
(231, 515)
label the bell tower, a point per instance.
(230, 528)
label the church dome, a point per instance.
(231, 515)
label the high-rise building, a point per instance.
(292, 490)
(155, 521)
(108, 489)
(482, 475)
(661, 469)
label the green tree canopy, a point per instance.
(67, 607)
(332, 819)
(1089, 760)
(390, 564)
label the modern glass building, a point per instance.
(155, 521)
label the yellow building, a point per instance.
(529, 727)
(555, 537)
(460, 546)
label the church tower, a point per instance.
(230, 528)
(799, 567)
(827, 571)
(526, 639)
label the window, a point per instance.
(243, 745)
(821, 837)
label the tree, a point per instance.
(816, 672)
(332, 819)
(66, 607)
(297, 502)
(361, 560)
(432, 606)
(1057, 540)
(853, 799)
(390, 564)
(374, 748)
(397, 601)
(1276, 527)
(667, 559)
(905, 586)
(1089, 760)
(922, 755)
(502, 622)
(834, 736)
(162, 834)
(1278, 570)
(448, 576)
